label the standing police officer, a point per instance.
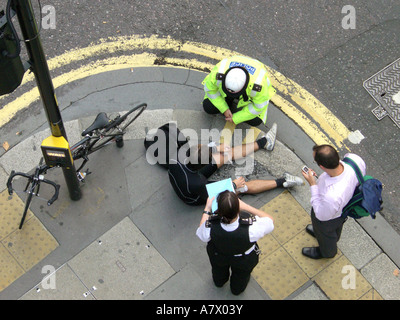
(239, 88)
(231, 237)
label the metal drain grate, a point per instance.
(384, 87)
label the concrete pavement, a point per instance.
(130, 237)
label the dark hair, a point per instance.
(199, 155)
(228, 206)
(326, 156)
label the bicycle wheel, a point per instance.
(117, 128)
(124, 121)
(130, 116)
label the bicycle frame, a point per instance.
(86, 146)
(99, 131)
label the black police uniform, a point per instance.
(226, 250)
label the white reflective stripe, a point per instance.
(264, 119)
(261, 105)
(258, 81)
(211, 96)
(260, 76)
(222, 66)
(247, 252)
(221, 69)
(252, 110)
(206, 89)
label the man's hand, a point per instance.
(310, 177)
(228, 115)
(223, 148)
(240, 182)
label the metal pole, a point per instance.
(41, 71)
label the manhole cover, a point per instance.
(384, 87)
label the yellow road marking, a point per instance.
(306, 114)
(125, 43)
(313, 107)
(309, 127)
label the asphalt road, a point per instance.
(304, 40)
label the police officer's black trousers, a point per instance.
(241, 268)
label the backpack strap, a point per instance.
(356, 169)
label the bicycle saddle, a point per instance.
(100, 122)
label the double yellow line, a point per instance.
(296, 102)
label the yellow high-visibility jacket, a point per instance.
(259, 89)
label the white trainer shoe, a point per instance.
(271, 137)
(292, 181)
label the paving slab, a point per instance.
(20, 249)
(342, 281)
(383, 275)
(311, 293)
(357, 245)
(65, 285)
(121, 264)
(170, 225)
(201, 286)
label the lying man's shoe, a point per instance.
(292, 181)
(271, 137)
(312, 252)
(267, 140)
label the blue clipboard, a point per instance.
(215, 188)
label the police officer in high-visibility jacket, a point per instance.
(239, 88)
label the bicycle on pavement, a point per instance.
(102, 132)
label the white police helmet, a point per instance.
(235, 80)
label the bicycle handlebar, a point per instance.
(56, 188)
(12, 175)
(32, 178)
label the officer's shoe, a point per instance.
(291, 180)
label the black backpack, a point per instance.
(367, 197)
(158, 144)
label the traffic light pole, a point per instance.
(41, 71)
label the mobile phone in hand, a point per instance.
(305, 169)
